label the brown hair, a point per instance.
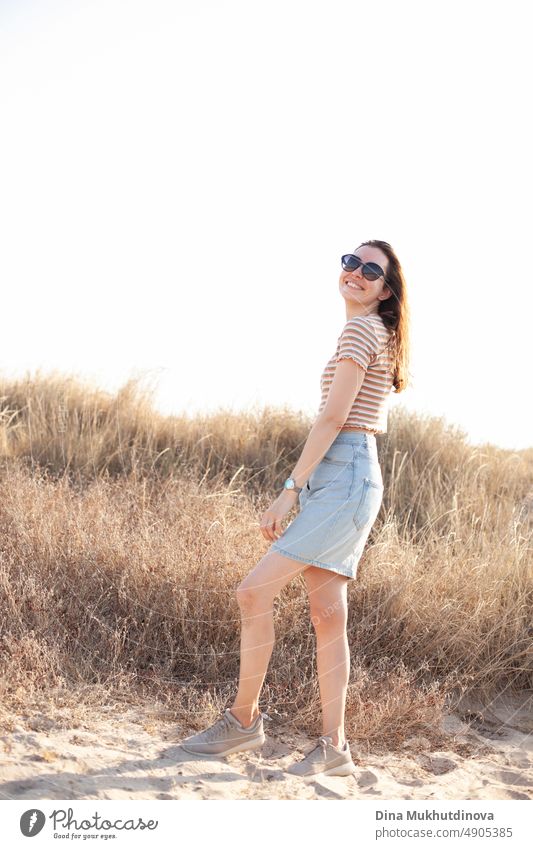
(395, 314)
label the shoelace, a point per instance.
(222, 723)
(324, 744)
(319, 750)
(225, 722)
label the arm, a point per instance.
(344, 387)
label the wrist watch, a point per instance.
(291, 484)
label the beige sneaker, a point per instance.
(226, 736)
(324, 759)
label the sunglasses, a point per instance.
(371, 270)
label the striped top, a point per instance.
(363, 339)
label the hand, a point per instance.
(270, 523)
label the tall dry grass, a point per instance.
(124, 533)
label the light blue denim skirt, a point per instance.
(338, 506)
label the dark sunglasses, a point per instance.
(371, 270)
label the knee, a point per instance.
(250, 599)
(331, 616)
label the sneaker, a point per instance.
(324, 759)
(226, 736)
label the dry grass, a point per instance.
(123, 534)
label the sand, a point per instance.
(122, 755)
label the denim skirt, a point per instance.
(338, 506)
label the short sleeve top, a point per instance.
(364, 339)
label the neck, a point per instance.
(355, 310)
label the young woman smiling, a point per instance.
(338, 483)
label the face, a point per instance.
(365, 293)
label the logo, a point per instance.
(31, 822)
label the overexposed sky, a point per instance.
(178, 182)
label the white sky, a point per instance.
(180, 179)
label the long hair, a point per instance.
(395, 314)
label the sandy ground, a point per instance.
(124, 756)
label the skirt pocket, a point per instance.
(331, 479)
(303, 495)
(369, 503)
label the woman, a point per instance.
(339, 485)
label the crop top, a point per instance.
(363, 339)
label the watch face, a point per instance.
(289, 483)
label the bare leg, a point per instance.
(327, 593)
(255, 595)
